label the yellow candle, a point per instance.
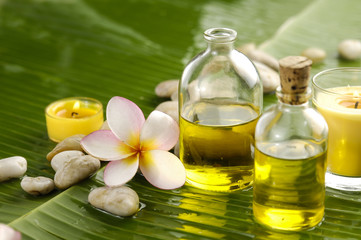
(71, 116)
(342, 112)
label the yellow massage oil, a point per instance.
(290, 155)
(217, 144)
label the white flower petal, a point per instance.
(125, 119)
(103, 144)
(160, 131)
(8, 233)
(162, 169)
(117, 173)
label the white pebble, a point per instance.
(70, 143)
(37, 185)
(166, 88)
(174, 96)
(247, 48)
(269, 77)
(265, 58)
(63, 157)
(194, 91)
(12, 167)
(71, 169)
(350, 49)
(316, 55)
(218, 63)
(170, 108)
(122, 201)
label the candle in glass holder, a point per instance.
(337, 96)
(343, 115)
(71, 116)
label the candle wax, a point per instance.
(73, 116)
(76, 113)
(350, 100)
(344, 122)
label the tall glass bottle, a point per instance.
(291, 143)
(220, 101)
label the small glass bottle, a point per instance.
(220, 101)
(290, 156)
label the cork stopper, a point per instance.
(294, 75)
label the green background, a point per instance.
(52, 49)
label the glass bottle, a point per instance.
(290, 155)
(220, 101)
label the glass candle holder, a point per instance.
(71, 116)
(337, 95)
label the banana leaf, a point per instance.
(52, 49)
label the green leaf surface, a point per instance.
(52, 49)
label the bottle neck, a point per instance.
(220, 40)
(220, 48)
(294, 98)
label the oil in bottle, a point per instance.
(220, 101)
(290, 155)
(217, 144)
(289, 187)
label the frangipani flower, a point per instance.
(8, 233)
(135, 142)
